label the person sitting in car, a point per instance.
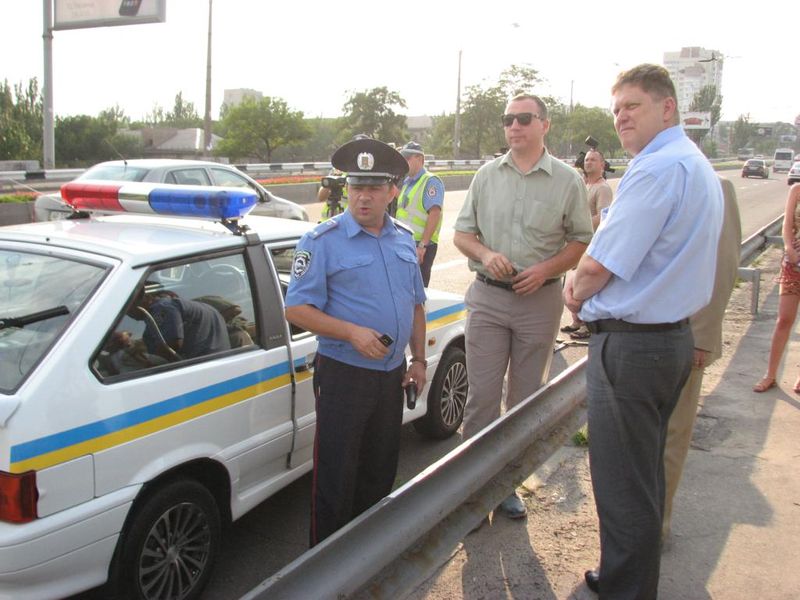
(176, 328)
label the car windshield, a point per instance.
(39, 294)
(115, 173)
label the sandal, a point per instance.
(582, 334)
(570, 328)
(766, 383)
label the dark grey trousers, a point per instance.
(633, 383)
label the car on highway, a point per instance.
(48, 207)
(756, 167)
(794, 173)
(151, 389)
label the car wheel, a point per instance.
(446, 397)
(170, 545)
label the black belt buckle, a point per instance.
(504, 285)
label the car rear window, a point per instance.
(39, 295)
(115, 173)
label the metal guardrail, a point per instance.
(385, 548)
(751, 248)
(390, 548)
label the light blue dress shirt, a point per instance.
(659, 238)
(354, 275)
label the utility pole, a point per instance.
(207, 120)
(457, 132)
(48, 131)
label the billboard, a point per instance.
(79, 14)
(696, 120)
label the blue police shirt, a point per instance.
(659, 238)
(432, 195)
(353, 275)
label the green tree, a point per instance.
(441, 141)
(255, 129)
(373, 112)
(81, 140)
(481, 130)
(318, 147)
(569, 129)
(21, 121)
(743, 132)
(705, 100)
(183, 114)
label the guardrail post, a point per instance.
(754, 276)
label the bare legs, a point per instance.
(787, 312)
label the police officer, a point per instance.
(357, 285)
(420, 207)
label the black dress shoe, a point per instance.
(592, 580)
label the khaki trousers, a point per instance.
(679, 436)
(506, 331)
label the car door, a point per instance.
(224, 393)
(302, 350)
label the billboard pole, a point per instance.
(207, 119)
(48, 137)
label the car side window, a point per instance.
(188, 177)
(225, 178)
(182, 312)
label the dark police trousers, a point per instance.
(633, 382)
(359, 416)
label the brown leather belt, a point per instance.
(619, 326)
(504, 284)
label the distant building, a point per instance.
(419, 128)
(692, 69)
(235, 97)
(169, 142)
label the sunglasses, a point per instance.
(523, 118)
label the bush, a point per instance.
(24, 197)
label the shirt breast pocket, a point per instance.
(407, 266)
(354, 271)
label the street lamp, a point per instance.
(457, 132)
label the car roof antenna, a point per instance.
(110, 145)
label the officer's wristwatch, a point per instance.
(421, 245)
(422, 361)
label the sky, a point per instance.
(313, 54)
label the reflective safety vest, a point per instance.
(411, 209)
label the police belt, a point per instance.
(619, 326)
(506, 285)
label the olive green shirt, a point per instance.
(527, 217)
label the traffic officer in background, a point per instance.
(357, 285)
(420, 207)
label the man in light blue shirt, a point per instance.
(650, 265)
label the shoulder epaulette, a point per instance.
(324, 227)
(402, 226)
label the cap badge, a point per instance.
(365, 161)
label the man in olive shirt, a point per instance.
(525, 221)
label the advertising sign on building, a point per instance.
(79, 14)
(696, 120)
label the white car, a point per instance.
(49, 207)
(794, 173)
(121, 461)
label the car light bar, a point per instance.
(196, 201)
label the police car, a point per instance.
(122, 455)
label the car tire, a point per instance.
(170, 544)
(447, 397)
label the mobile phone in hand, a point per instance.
(386, 340)
(411, 395)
